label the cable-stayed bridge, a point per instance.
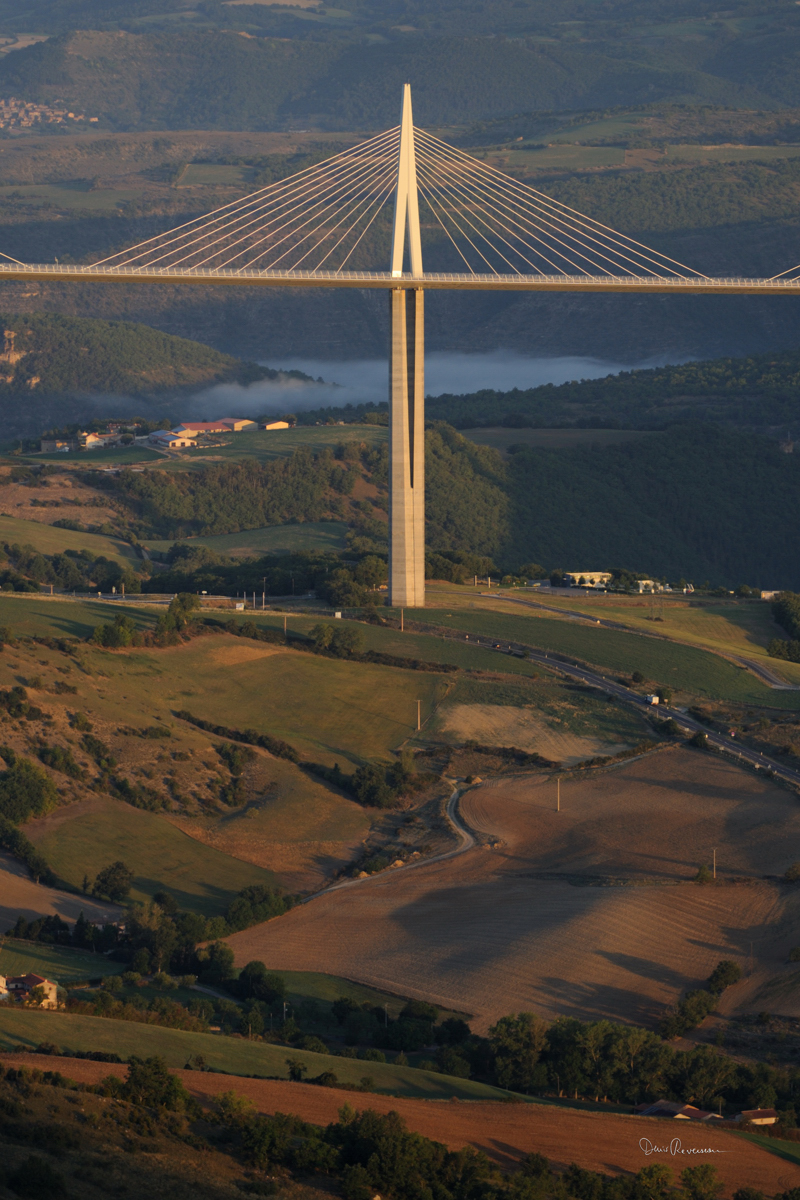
(326, 227)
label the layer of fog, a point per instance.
(363, 381)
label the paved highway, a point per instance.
(720, 741)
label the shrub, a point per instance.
(114, 882)
(25, 790)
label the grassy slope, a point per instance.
(682, 667)
(327, 708)
(48, 540)
(26, 1029)
(742, 628)
(59, 963)
(34, 617)
(125, 455)
(266, 445)
(273, 539)
(200, 878)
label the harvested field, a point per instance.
(19, 894)
(596, 1141)
(658, 818)
(496, 930)
(501, 725)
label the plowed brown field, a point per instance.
(497, 930)
(596, 1141)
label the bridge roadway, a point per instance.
(430, 281)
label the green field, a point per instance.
(790, 1151)
(563, 157)
(212, 175)
(75, 196)
(124, 456)
(59, 963)
(200, 878)
(684, 668)
(28, 614)
(49, 540)
(330, 709)
(694, 154)
(273, 539)
(266, 445)
(24, 1029)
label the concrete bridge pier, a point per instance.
(407, 448)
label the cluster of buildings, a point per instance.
(675, 1111)
(187, 433)
(182, 437)
(21, 987)
(20, 114)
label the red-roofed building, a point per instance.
(20, 987)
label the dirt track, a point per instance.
(499, 930)
(596, 1141)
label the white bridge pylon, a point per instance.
(326, 225)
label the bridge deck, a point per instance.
(383, 279)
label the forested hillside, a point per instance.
(760, 392)
(52, 363)
(197, 78)
(697, 502)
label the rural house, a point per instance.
(757, 1116)
(19, 987)
(168, 439)
(675, 1111)
(223, 425)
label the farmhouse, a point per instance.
(169, 439)
(675, 1112)
(757, 1116)
(19, 987)
(224, 425)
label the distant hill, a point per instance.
(51, 366)
(195, 78)
(761, 392)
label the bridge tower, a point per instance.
(406, 386)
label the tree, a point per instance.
(701, 1182)
(217, 962)
(724, 975)
(256, 981)
(25, 791)
(115, 635)
(321, 636)
(370, 787)
(114, 882)
(346, 641)
(150, 1083)
(517, 1042)
(297, 1069)
(372, 571)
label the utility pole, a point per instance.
(558, 795)
(419, 715)
(715, 864)
(401, 621)
(284, 626)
